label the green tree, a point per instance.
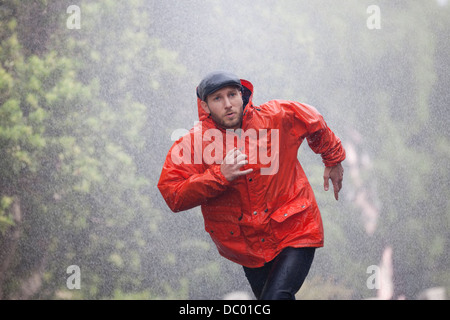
(72, 186)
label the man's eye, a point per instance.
(216, 98)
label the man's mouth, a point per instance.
(230, 115)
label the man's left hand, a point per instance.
(336, 174)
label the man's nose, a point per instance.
(227, 103)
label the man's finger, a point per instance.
(326, 178)
(244, 172)
(230, 157)
(241, 157)
(241, 163)
(336, 189)
(326, 185)
(337, 186)
(231, 152)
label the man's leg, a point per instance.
(281, 278)
(287, 274)
(257, 277)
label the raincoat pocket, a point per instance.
(290, 209)
(287, 223)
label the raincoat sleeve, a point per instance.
(187, 185)
(311, 125)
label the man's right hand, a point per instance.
(232, 164)
(336, 174)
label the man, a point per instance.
(259, 210)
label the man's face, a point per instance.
(226, 107)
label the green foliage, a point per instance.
(5, 219)
(70, 156)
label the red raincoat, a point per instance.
(252, 218)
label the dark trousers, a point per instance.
(281, 278)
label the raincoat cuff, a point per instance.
(218, 174)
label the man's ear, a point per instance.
(205, 106)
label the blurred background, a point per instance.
(90, 92)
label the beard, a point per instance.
(229, 123)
